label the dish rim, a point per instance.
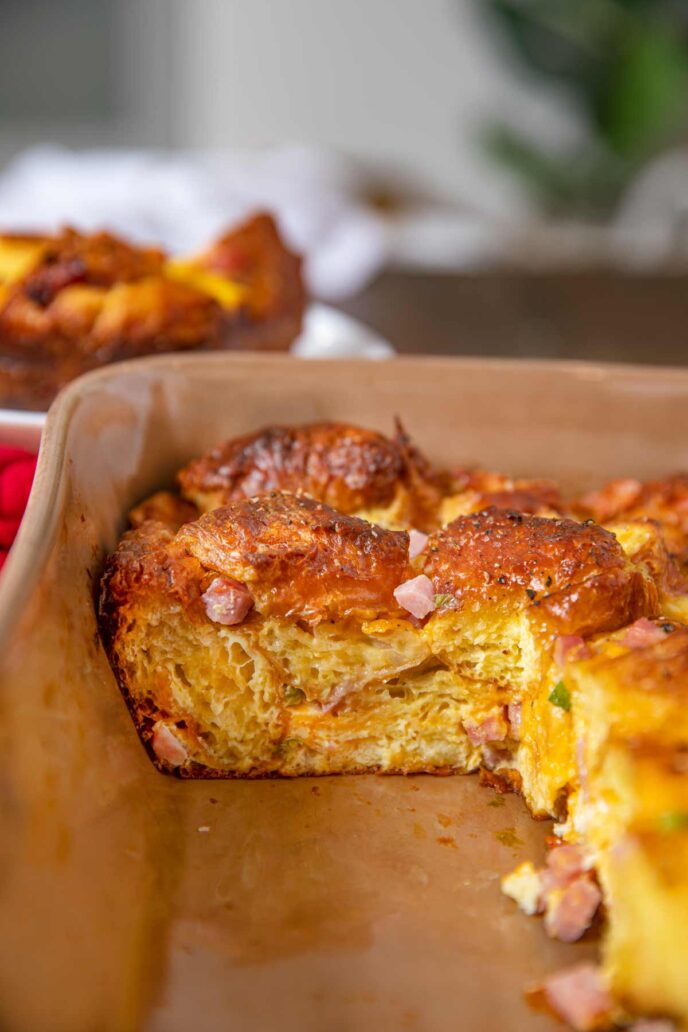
(36, 533)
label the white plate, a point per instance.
(21, 429)
(328, 333)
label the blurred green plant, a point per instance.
(625, 64)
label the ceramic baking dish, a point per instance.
(129, 900)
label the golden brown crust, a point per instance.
(425, 485)
(148, 571)
(665, 501)
(198, 772)
(93, 299)
(163, 507)
(300, 558)
(604, 602)
(574, 576)
(154, 315)
(498, 552)
(504, 782)
(25, 238)
(496, 489)
(147, 562)
(668, 574)
(343, 466)
(254, 255)
(147, 567)
(98, 259)
(85, 324)
(529, 501)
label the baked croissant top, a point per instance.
(573, 575)
(300, 558)
(352, 469)
(665, 501)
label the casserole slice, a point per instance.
(276, 635)
(630, 807)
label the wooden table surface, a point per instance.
(601, 316)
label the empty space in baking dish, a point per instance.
(129, 900)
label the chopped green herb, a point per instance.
(443, 600)
(560, 696)
(498, 800)
(673, 820)
(293, 696)
(285, 745)
(509, 838)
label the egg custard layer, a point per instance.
(629, 807)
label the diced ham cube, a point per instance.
(566, 862)
(580, 997)
(337, 696)
(417, 542)
(492, 728)
(167, 746)
(570, 647)
(642, 633)
(227, 601)
(570, 910)
(514, 713)
(416, 596)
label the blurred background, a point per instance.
(467, 176)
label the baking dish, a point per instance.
(133, 901)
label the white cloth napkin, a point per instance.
(183, 199)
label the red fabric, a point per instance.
(17, 468)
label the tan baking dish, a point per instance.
(133, 901)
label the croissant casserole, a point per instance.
(320, 600)
(76, 301)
